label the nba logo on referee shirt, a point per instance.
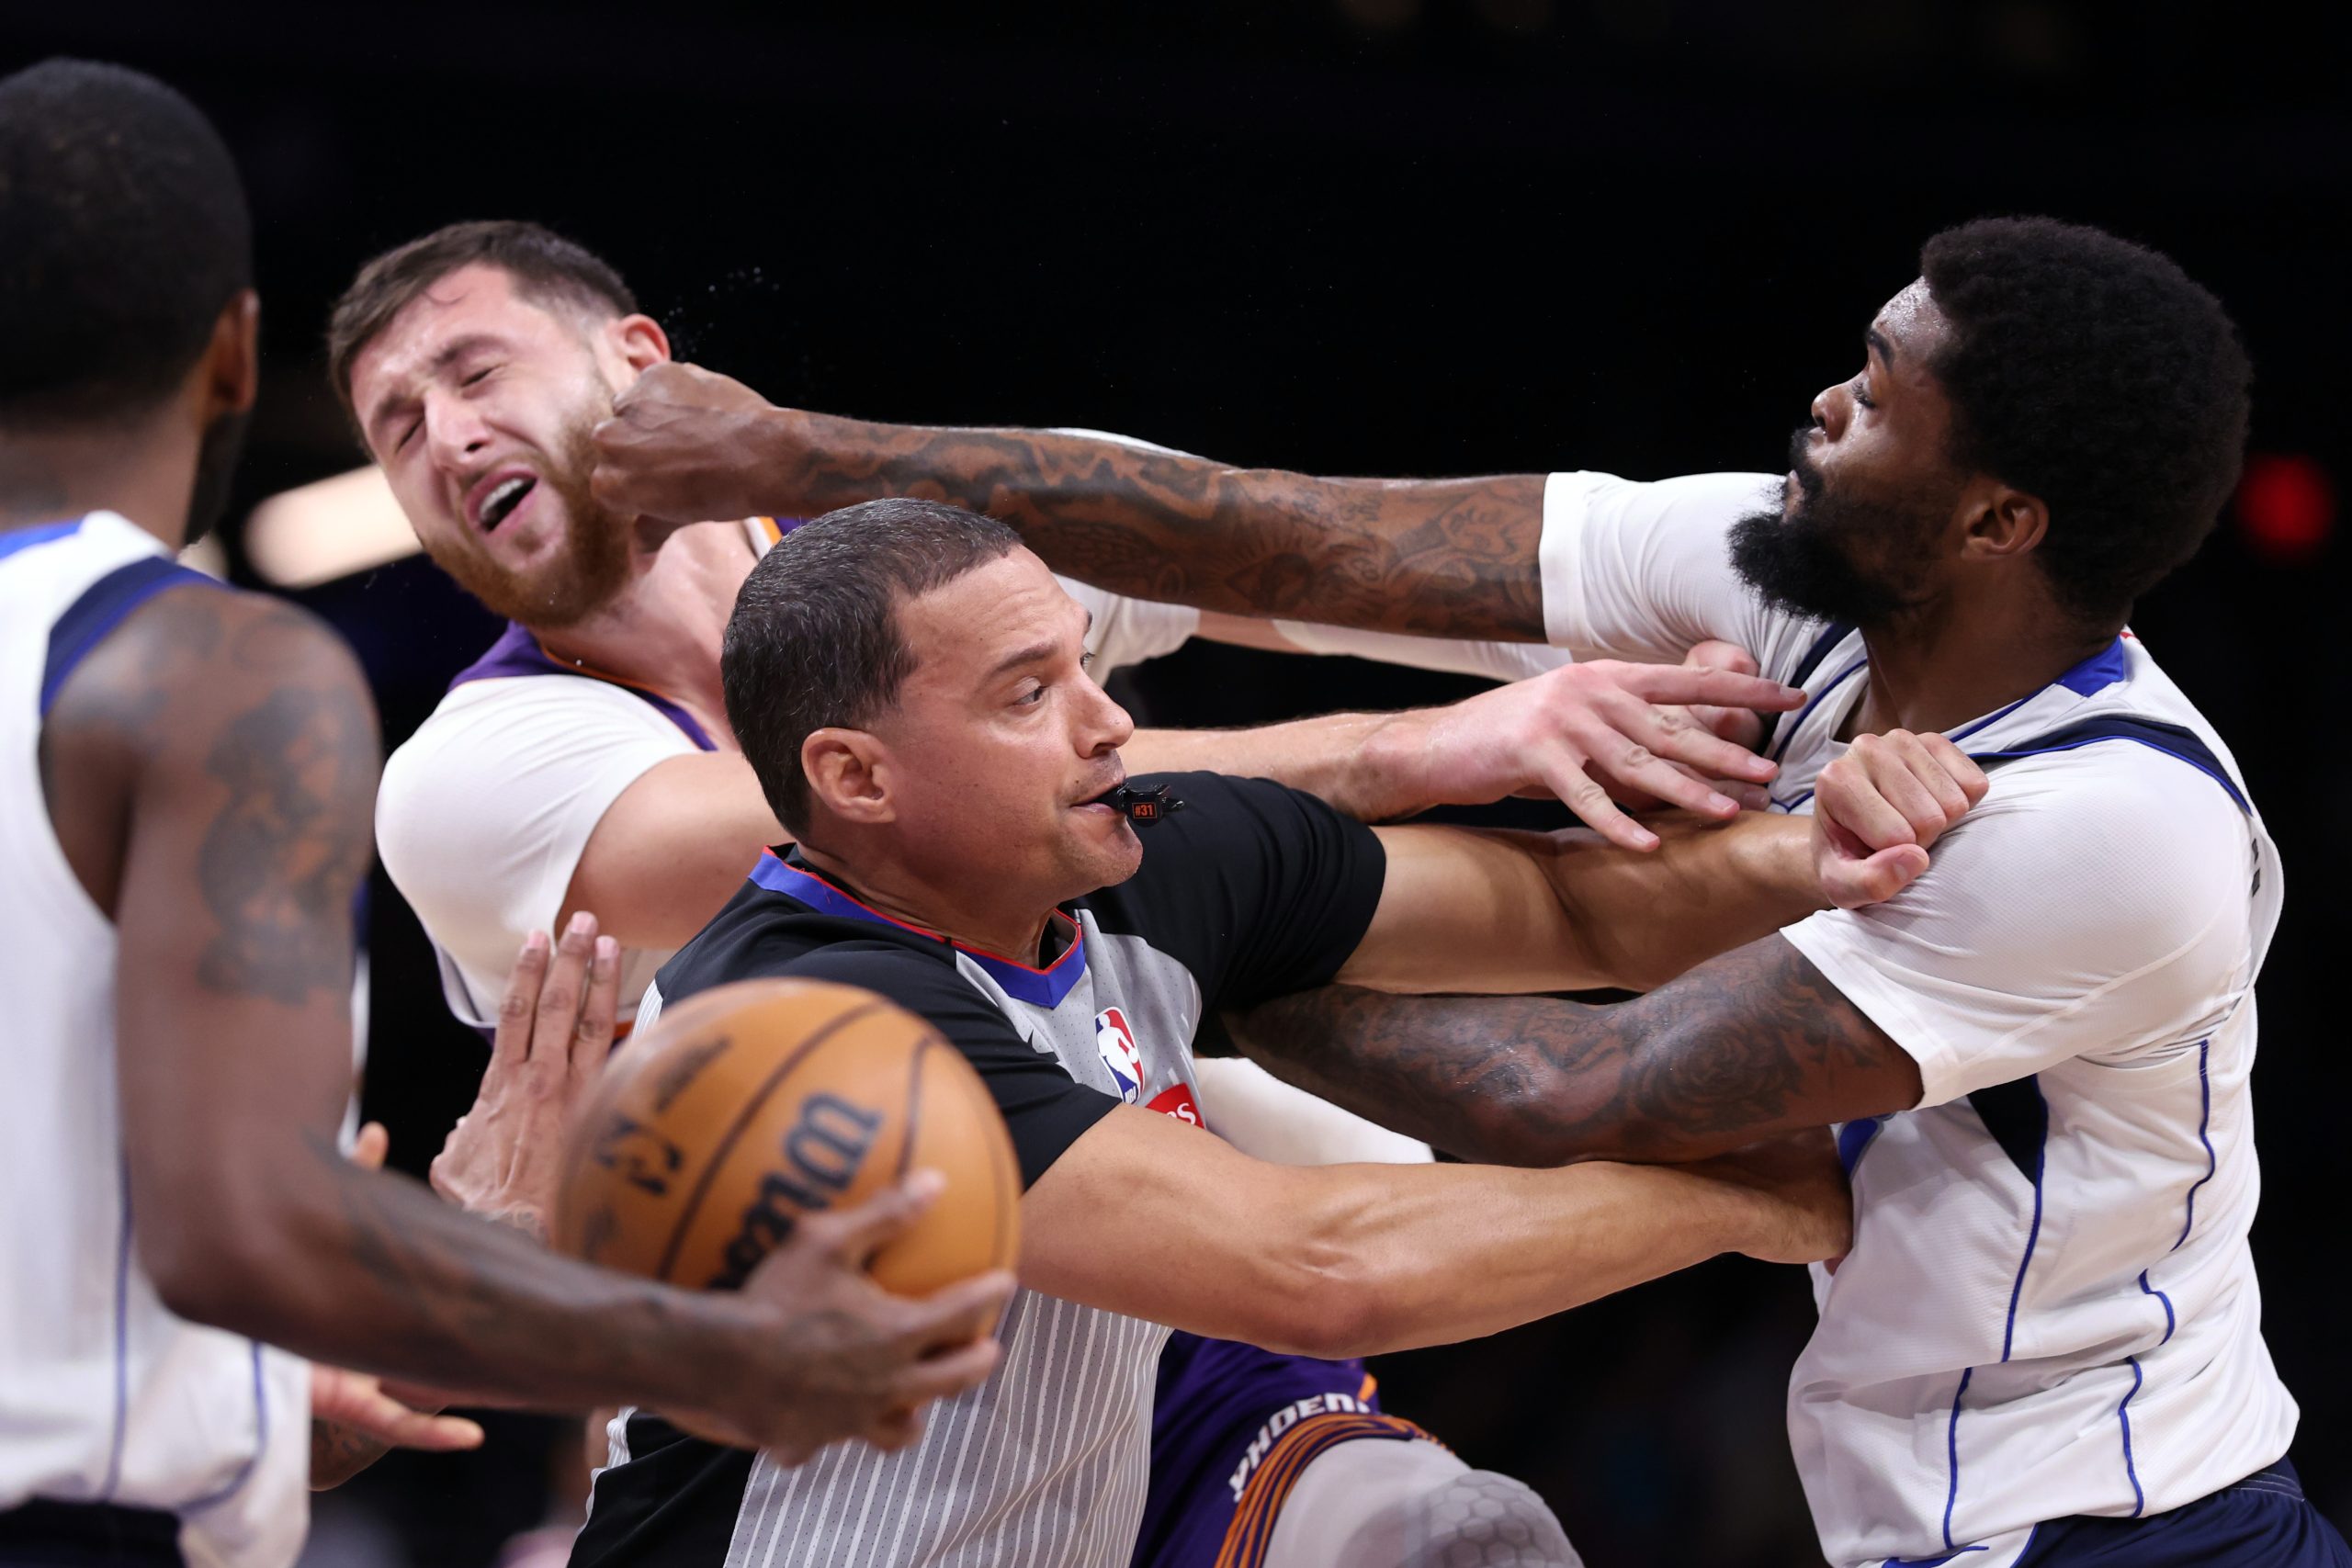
(1118, 1043)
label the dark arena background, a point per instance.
(1353, 236)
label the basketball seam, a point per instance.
(743, 1119)
(914, 1103)
(1008, 1194)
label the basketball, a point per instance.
(751, 1104)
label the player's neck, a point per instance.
(1940, 667)
(665, 627)
(147, 474)
(979, 916)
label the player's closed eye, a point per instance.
(1863, 395)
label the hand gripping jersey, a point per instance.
(2049, 1309)
(107, 1399)
(1253, 891)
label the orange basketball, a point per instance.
(753, 1103)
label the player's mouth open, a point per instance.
(504, 501)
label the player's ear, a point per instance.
(638, 341)
(2003, 522)
(230, 370)
(849, 775)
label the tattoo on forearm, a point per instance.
(1751, 1044)
(1452, 557)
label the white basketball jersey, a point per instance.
(105, 1397)
(2049, 1309)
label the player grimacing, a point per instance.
(586, 761)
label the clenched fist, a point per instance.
(685, 445)
(1879, 808)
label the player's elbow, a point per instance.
(1329, 1313)
(224, 1248)
(202, 1271)
(1320, 1291)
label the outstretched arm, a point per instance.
(1750, 1044)
(1361, 1259)
(238, 747)
(1443, 558)
(1467, 909)
(1753, 1042)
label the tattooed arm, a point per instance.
(1444, 558)
(1750, 1044)
(211, 769)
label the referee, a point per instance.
(910, 684)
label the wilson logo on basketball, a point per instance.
(639, 1154)
(1117, 1041)
(823, 1151)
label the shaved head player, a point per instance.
(2046, 1346)
(187, 775)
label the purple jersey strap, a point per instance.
(517, 653)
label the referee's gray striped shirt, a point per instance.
(1255, 891)
(1044, 1464)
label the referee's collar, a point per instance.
(789, 875)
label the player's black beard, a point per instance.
(216, 469)
(1803, 562)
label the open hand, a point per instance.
(555, 1030)
(1744, 727)
(1583, 732)
(354, 1423)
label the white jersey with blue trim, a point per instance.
(2049, 1309)
(106, 1396)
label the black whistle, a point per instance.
(1144, 807)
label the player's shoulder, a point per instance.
(1718, 498)
(2135, 755)
(490, 734)
(481, 709)
(2108, 787)
(189, 657)
(2118, 832)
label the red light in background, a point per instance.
(2286, 506)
